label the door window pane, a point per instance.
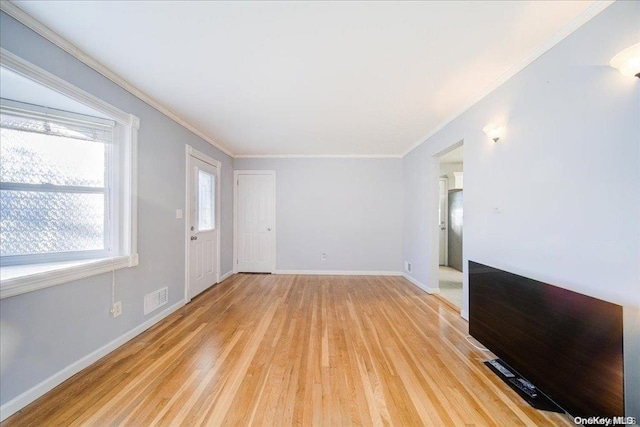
(206, 201)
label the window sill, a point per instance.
(16, 280)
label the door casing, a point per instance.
(455, 231)
(444, 215)
(274, 230)
(192, 152)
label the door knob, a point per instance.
(268, 228)
(194, 237)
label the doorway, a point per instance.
(254, 222)
(451, 224)
(202, 262)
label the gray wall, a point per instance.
(43, 332)
(350, 209)
(566, 175)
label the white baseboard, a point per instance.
(339, 273)
(22, 400)
(420, 285)
(464, 315)
(225, 276)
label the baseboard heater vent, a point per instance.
(156, 299)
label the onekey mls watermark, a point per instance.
(605, 421)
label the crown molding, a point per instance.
(318, 156)
(29, 21)
(564, 32)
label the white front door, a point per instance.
(443, 219)
(255, 221)
(203, 226)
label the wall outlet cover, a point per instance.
(116, 310)
(408, 266)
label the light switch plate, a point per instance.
(178, 213)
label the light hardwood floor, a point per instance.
(304, 350)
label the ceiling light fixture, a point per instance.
(495, 132)
(628, 61)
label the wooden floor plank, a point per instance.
(303, 350)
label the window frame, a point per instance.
(36, 112)
(123, 202)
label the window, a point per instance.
(55, 176)
(206, 201)
(67, 181)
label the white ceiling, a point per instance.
(310, 78)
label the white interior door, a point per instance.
(443, 220)
(203, 226)
(255, 221)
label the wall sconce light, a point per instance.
(628, 61)
(493, 131)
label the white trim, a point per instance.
(446, 221)
(33, 282)
(186, 215)
(420, 285)
(22, 400)
(128, 179)
(564, 32)
(339, 273)
(236, 174)
(318, 156)
(234, 260)
(200, 155)
(24, 18)
(225, 276)
(192, 152)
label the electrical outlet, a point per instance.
(116, 310)
(323, 257)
